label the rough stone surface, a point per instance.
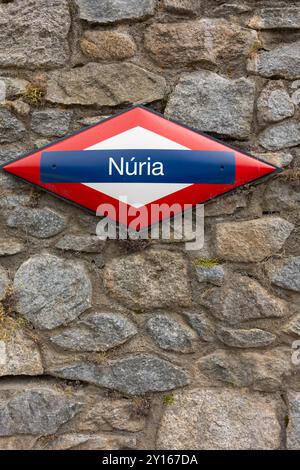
(38, 411)
(282, 61)
(135, 375)
(274, 103)
(280, 159)
(11, 129)
(111, 11)
(107, 45)
(19, 355)
(150, 280)
(276, 18)
(226, 205)
(293, 326)
(293, 429)
(183, 7)
(10, 246)
(80, 243)
(209, 40)
(51, 291)
(33, 35)
(251, 240)
(4, 282)
(14, 87)
(285, 134)
(40, 223)
(264, 371)
(288, 276)
(242, 299)
(50, 122)
(97, 332)
(169, 334)
(252, 338)
(215, 274)
(281, 196)
(202, 325)
(212, 103)
(220, 420)
(105, 85)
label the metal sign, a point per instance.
(135, 159)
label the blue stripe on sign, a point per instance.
(138, 166)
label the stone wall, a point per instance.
(131, 345)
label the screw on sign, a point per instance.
(136, 159)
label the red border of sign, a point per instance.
(246, 169)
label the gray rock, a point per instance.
(10, 246)
(81, 243)
(7, 154)
(40, 223)
(105, 85)
(221, 420)
(213, 103)
(280, 159)
(242, 299)
(107, 45)
(285, 134)
(11, 129)
(38, 411)
(96, 332)
(34, 34)
(88, 441)
(228, 9)
(149, 280)
(51, 291)
(293, 429)
(215, 275)
(288, 276)
(252, 338)
(264, 371)
(251, 240)
(293, 326)
(183, 7)
(111, 11)
(169, 334)
(281, 196)
(226, 205)
(276, 18)
(19, 355)
(282, 61)
(50, 122)
(202, 325)
(14, 87)
(133, 375)
(13, 200)
(274, 103)
(4, 282)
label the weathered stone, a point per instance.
(7, 154)
(88, 441)
(107, 45)
(293, 429)
(51, 291)
(288, 276)
(134, 375)
(220, 419)
(81, 243)
(285, 134)
(280, 196)
(215, 274)
(13, 200)
(105, 85)
(183, 7)
(202, 325)
(40, 223)
(265, 371)
(276, 18)
(251, 240)
(39, 411)
(242, 299)
(96, 332)
(274, 103)
(4, 282)
(10, 246)
(92, 120)
(19, 355)
(213, 103)
(11, 129)
(19, 107)
(34, 34)
(169, 334)
(111, 11)
(280, 159)
(50, 122)
(226, 205)
(209, 40)
(149, 280)
(14, 87)
(282, 61)
(293, 326)
(228, 9)
(253, 338)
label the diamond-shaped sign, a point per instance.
(135, 159)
